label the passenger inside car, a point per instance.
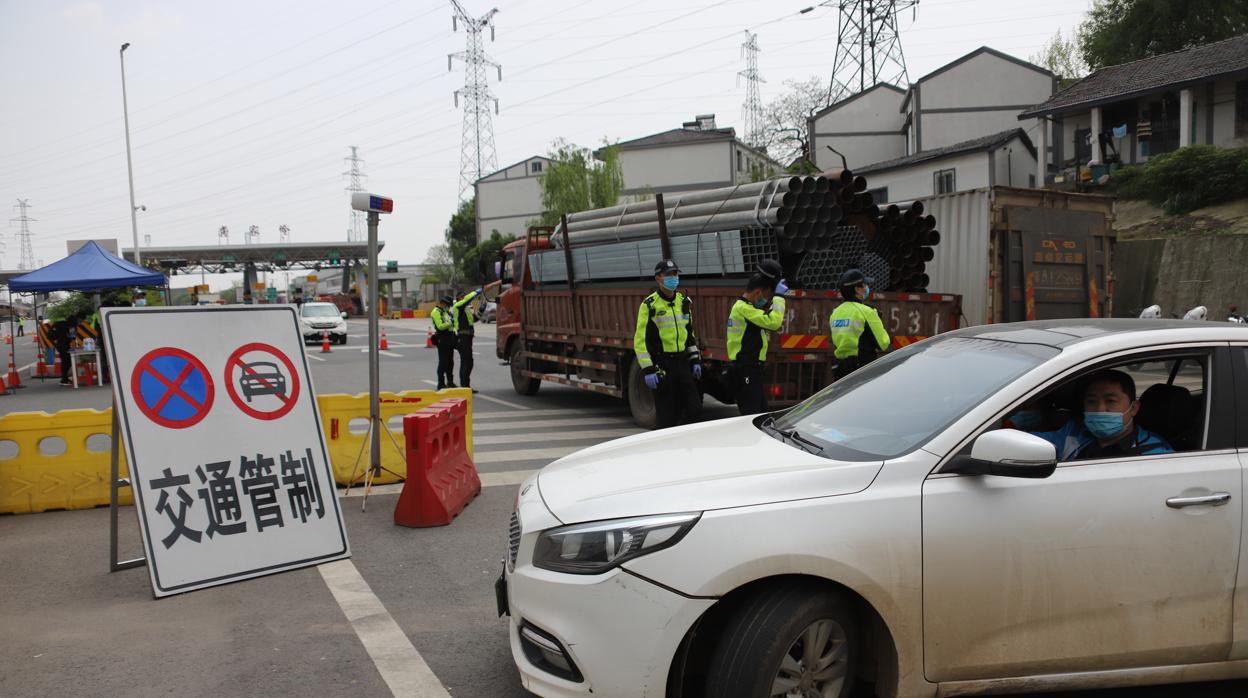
(1039, 414)
(1108, 427)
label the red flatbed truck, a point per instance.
(581, 334)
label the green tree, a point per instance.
(576, 181)
(461, 231)
(1118, 31)
(1062, 57)
(478, 265)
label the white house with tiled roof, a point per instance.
(1129, 112)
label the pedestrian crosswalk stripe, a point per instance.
(515, 454)
(598, 435)
(567, 414)
(544, 425)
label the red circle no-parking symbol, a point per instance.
(172, 388)
(262, 381)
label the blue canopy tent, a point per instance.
(91, 268)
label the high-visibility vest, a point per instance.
(746, 338)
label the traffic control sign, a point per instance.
(172, 388)
(225, 490)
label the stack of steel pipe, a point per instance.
(905, 238)
(801, 211)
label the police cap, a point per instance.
(665, 267)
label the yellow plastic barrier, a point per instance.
(343, 441)
(78, 478)
(75, 479)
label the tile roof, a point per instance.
(678, 136)
(992, 142)
(1167, 71)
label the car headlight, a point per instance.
(595, 547)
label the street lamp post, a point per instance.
(125, 111)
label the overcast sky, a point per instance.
(241, 113)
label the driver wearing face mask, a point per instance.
(1107, 428)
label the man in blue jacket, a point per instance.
(1107, 428)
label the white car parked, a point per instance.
(894, 530)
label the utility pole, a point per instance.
(355, 182)
(223, 235)
(26, 255)
(283, 233)
(477, 157)
(868, 46)
(752, 109)
(125, 112)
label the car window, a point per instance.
(898, 402)
(1092, 416)
(310, 310)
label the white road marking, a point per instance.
(530, 414)
(520, 454)
(396, 659)
(546, 424)
(315, 357)
(383, 352)
(528, 438)
(478, 396)
(27, 367)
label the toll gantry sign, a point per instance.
(225, 489)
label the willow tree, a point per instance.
(578, 179)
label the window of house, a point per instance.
(879, 195)
(944, 182)
(1241, 109)
(1031, 181)
(535, 167)
(740, 162)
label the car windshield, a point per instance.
(320, 311)
(900, 401)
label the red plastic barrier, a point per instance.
(441, 478)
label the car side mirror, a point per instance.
(344, 315)
(1006, 453)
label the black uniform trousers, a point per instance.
(748, 388)
(464, 347)
(677, 400)
(446, 358)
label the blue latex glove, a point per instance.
(697, 371)
(480, 291)
(781, 288)
(652, 381)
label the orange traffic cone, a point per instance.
(14, 380)
(8, 339)
(384, 344)
(325, 342)
(429, 338)
(41, 367)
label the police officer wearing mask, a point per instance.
(667, 350)
(858, 335)
(444, 339)
(758, 311)
(465, 319)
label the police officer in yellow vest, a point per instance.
(858, 335)
(758, 311)
(667, 350)
(444, 339)
(465, 319)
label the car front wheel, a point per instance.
(798, 641)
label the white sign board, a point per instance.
(223, 437)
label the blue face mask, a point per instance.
(866, 291)
(760, 303)
(671, 282)
(1104, 425)
(1028, 420)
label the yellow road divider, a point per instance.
(60, 460)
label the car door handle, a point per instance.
(1216, 499)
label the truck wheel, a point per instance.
(640, 399)
(524, 385)
(794, 640)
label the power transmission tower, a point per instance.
(283, 233)
(477, 157)
(868, 46)
(26, 256)
(752, 109)
(223, 235)
(355, 182)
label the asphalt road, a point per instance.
(71, 628)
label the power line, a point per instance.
(477, 156)
(355, 225)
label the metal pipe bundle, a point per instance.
(797, 208)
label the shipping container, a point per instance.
(1024, 254)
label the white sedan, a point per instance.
(1008, 508)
